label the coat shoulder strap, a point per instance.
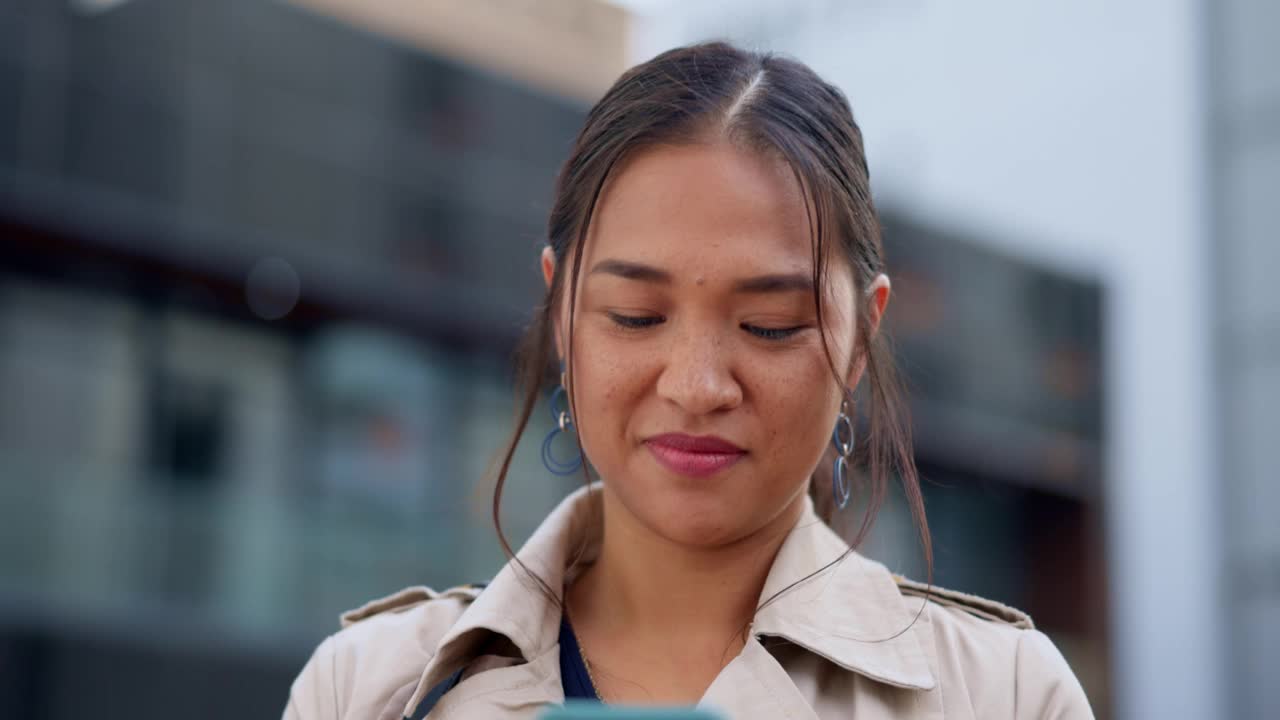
(971, 604)
(406, 599)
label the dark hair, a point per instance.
(769, 103)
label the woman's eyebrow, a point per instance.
(772, 283)
(784, 282)
(632, 271)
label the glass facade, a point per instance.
(260, 274)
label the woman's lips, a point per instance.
(694, 456)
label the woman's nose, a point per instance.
(697, 375)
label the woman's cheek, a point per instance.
(603, 396)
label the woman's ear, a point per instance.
(548, 265)
(548, 273)
(877, 299)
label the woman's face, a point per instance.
(702, 395)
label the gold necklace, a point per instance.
(582, 652)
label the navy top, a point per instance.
(573, 669)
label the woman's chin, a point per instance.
(697, 521)
(701, 535)
(697, 514)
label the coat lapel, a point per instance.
(755, 685)
(517, 691)
(515, 606)
(851, 613)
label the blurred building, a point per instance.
(1242, 257)
(253, 336)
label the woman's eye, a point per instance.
(640, 322)
(635, 322)
(772, 333)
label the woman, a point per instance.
(715, 282)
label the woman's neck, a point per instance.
(645, 586)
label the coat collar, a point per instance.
(852, 613)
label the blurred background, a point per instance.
(263, 263)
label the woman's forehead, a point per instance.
(703, 210)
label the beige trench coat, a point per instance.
(810, 654)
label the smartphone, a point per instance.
(588, 710)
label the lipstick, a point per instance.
(694, 456)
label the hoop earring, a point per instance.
(563, 423)
(840, 485)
